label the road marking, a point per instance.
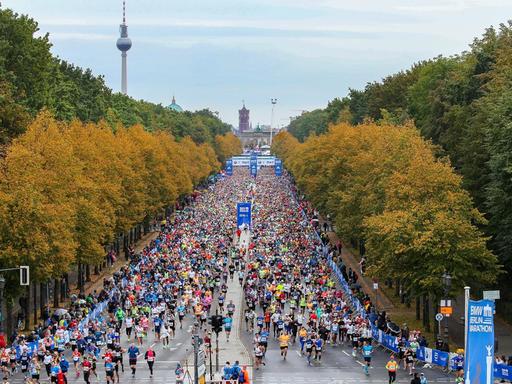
(298, 353)
(345, 352)
(166, 361)
(178, 344)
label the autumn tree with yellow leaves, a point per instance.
(385, 187)
(67, 189)
(227, 146)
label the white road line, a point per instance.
(346, 353)
(178, 344)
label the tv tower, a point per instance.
(124, 44)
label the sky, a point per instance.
(216, 53)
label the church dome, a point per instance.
(174, 107)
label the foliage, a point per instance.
(383, 183)
(32, 79)
(67, 188)
(227, 146)
(463, 104)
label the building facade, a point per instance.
(243, 120)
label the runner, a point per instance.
(133, 354)
(367, 351)
(284, 339)
(392, 367)
(150, 358)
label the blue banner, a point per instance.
(479, 358)
(229, 167)
(278, 167)
(502, 371)
(254, 167)
(243, 214)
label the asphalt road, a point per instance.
(165, 363)
(337, 366)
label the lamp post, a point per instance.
(2, 286)
(273, 101)
(447, 283)
(195, 335)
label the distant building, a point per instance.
(243, 120)
(174, 107)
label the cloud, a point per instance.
(82, 36)
(261, 24)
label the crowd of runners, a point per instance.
(291, 295)
(146, 301)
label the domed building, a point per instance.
(175, 107)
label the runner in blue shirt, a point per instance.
(109, 370)
(264, 340)
(367, 351)
(319, 343)
(309, 348)
(133, 354)
(259, 322)
(228, 322)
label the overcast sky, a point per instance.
(214, 53)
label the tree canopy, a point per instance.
(383, 183)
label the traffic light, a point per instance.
(217, 321)
(24, 275)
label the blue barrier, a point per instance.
(502, 371)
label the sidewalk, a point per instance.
(96, 282)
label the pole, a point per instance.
(216, 352)
(377, 300)
(124, 75)
(466, 320)
(273, 101)
(211, 367)
(196, 353)
(196, 356)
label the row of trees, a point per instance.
(463, 104)
(383, 184)
(73, 176)
(67, 189)
(31, 78)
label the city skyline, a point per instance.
(214, 55)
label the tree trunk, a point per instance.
(80, 278)
(88, 273)
(397, 287)
(35, 303)
(418, 316)
(27, 308)
(427, 313)
(56, 291)
(43, 298)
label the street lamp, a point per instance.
(273, 101)
(195, 335)
(447, 283)
(2, 286)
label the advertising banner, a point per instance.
(254, 167)
(479, 358)
(229, 167)
(278, 167)
(243, 214)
